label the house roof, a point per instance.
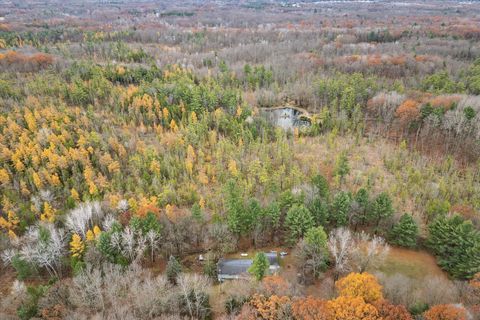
(234, 266)
(239, 266)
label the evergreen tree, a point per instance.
(259, 267)
(146, 224)
(173, 269)
(316, 237)
(380, 208)
(456, 243)
(298, 220)
(252, 213)
(363, 201)
(319, 210)
(437, 208)
(272, 214)
(343, 168)
(235, 208)
(341, 208)
(321, 184)
(312, 253)
(405, 232)
(197, 213)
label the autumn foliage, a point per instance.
(18, 61)
(388, 311)
(268, 308)
(363, 285)
(311, 308)
(445, 312)
(408, 111)
(275, 285)
(352, 308)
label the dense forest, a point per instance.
(145, 143)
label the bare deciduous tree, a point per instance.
(340, 244)
(44, 246)
(82, 218)
(369, 252)
(193, 293)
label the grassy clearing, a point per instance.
(413, 264)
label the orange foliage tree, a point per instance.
(25, 63)
(363, 285)
(275, 285)
(474, 294)
(269, 308)
(311, 309)
(408, 111)
(388, 311)
(352, 308)
(445, 312)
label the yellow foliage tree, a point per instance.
(4, 177)
(76, 246)
(165, 113)
(193, 117)
(173, 126)
(114, 167)
(74, 194)
(36, 180)
(96, 231)
(352, 308)
(170, 212)
(92, 188)
(232, 167)
(362, 285)
(189, 166)
(90, 236)
(201, 203)
(12, 234)
(239, 111)
(155, 166)
(48, 213)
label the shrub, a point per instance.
(23, 268)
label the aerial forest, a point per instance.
(240, 160)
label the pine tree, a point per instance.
(235, 209)
(321, 184)
(273, 213)
(316, 237)
(341, 208)
(319, 210)
(380, 208)
(405, 232)
(259, 266)
(197, 213)
(363, 201)
(456, 243)
(174, 268)
(312, 252)
(298, 220)
(342, 168)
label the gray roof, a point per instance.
(234, 266)
(272, 258)
(239, 266)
